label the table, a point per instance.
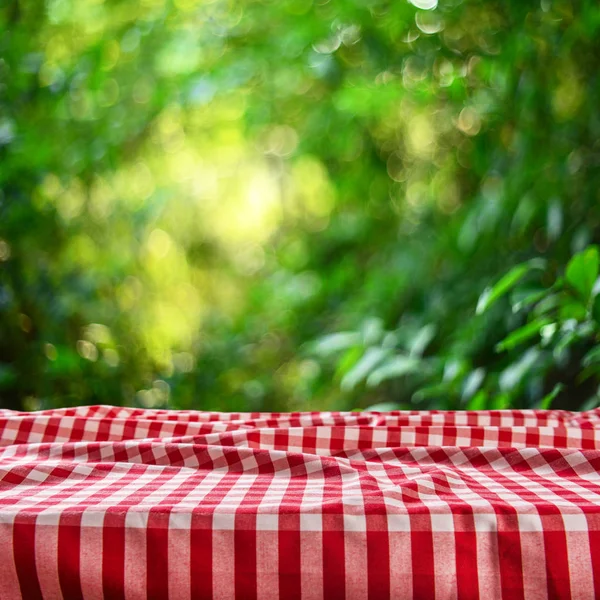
(110, 502)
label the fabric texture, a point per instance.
(106, 502)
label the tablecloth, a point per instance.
(109, 502)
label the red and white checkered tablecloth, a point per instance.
(104, 502)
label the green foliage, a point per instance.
(582, 272)
(192, 193)
(512, 278)
(560, 337)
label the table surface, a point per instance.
(109, 502)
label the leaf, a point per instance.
(521, 299)
(586, 329)
(395, 367)
(582, 271)
(455, 369)
(570, 333)
(548, 304)
(370, 359)
(501, 402)
(587, 372)
(372, 331)
(548, 333)
(422, 339)
(560, 352)
(522, 334)
(572, 309)
(473, 383)
(383, 407)
(592, 402)
(348, 359)
(596, 309)
(335, 342)
(434, 391)
(593, 356)
(478, 401)
(513, 375)
(547, 400)
(506, 283)
(390, 340)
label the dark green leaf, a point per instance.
(549, 304)
(587, 372)
(506, 283)
(526, 298)
(592, 402)
(547, 400)
(593, 356)
(596, 308)
(572, 309)
(523, 334)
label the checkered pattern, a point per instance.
(105, 502)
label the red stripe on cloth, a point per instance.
(595, 551)
(69, 539)
(113, 556)
(465, 539)
(509, 558)
(378, 563)
(202, 541)
(201, 557)
(157, 554)
(245, 557)
(290, 538)
(423, 568)
(557, 565)
(334, 569)
(290, 583)
(24, 555)
(24, 431)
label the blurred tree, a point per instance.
(191, 191)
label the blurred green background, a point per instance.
(299, 205)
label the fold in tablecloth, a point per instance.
(105, 502)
